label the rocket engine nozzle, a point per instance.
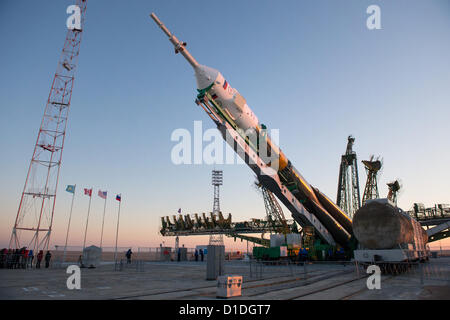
(180, 47)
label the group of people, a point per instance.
(303, 254)
(197, 253)
(22, 258)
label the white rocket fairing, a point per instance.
(226, 96)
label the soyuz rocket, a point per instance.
(236, 111)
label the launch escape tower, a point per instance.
(217, 181)
(394, 188)
(371, 189)
(348, 195)
(37, 203)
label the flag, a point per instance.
(70, 188)
(119, 197)
(88, 192)
(102, 194)
(179, 210)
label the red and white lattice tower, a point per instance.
(37, 204)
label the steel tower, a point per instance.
(371, 189)
(348, 197)
(37, 203)
(274, 212)
(217, 181)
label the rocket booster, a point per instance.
(236, 107)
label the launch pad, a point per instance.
(185, 280)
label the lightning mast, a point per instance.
(217, 181)
(37, 203)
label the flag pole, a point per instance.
(87, 220)
(117, 231)
(68, 225)
(103, 223)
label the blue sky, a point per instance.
(310, 69)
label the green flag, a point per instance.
(70, 189)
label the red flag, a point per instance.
(88, 192)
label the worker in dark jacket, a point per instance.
(17, 255)
(48, 256)
(10, 259)
(128, 255)
(3, 258)
(300, 256)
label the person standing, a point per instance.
(201, 254)
(30, 258)
(48, 257)
(39, 259)
(306, 254)
(9, 259)
(19, 258)
(80, 261)
(128, 255)
(25, 258)
(16, 259)
(196, 255)
(300, 255)
(2, 258)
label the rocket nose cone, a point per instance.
(205, 76)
